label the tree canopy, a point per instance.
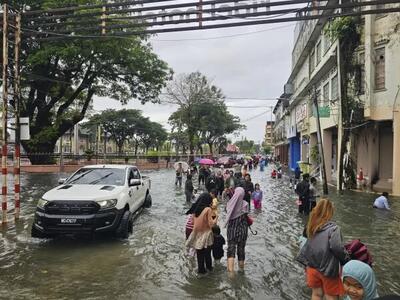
(129, 125)
(246, 146)
(60, 78)
(202, 114)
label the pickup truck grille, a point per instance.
(72, 208)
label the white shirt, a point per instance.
(381, 202)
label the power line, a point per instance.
(132, 3)
(214, 10)
(215, 26)
(258, 106)
(256, 116)
(223, 36)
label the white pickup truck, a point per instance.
(97, 198)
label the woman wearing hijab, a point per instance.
(359, 281)
(201, 237)
(237, 228)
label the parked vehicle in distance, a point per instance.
(97, 198)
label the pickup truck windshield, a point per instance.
(101, 176)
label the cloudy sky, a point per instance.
(249, 62)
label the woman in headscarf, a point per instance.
(359, 281)
(236, 220)
(201, 237)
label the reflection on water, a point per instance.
(152, 263)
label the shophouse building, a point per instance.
(375, 143)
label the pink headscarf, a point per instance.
(236, 206)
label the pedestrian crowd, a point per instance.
(333, 269)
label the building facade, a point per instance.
(374, 145)
(268, 138)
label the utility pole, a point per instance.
(320, 146)
(4, 116)
(17, 150)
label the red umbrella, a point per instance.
(206, 161)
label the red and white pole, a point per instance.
(17, 152)
(4, 117)
(17, 186)
(4, 183)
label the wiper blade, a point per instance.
(101, 178)
(79, 177)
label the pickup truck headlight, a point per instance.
(104, 204)
(41, 203)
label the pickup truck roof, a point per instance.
(108, 166)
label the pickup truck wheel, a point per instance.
(36, 233)
(124, 226)
(147, 201)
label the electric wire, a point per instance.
(212, 26)
(222, 36)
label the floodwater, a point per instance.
(152, 264)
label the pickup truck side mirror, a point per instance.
(135, 182)
(61, 180)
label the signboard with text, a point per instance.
(324, 112)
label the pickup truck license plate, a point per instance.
(68, 221)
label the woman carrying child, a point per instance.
(201, 237)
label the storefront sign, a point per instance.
(301, 112)
(324, 112)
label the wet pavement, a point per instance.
(152, 264)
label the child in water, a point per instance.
(257, 196)
(219, 242)
(359, 281)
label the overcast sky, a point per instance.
(253, 62)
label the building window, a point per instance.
(380, 68)
(325, 95)
(361, 74)
(318, 52)
(334, 88)
(312, 61)
(327, 43)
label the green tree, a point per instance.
(119, 125)
(216, 122)
(246, 146)
(60, 78)
(180, 139)
(347, 31)
(202, 113)
(153, 135)
(188, 91)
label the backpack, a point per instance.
(359, 251)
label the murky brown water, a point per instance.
(152, 263)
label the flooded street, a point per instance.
(152, 264)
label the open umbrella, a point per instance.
(185, 166)
(206, 161)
